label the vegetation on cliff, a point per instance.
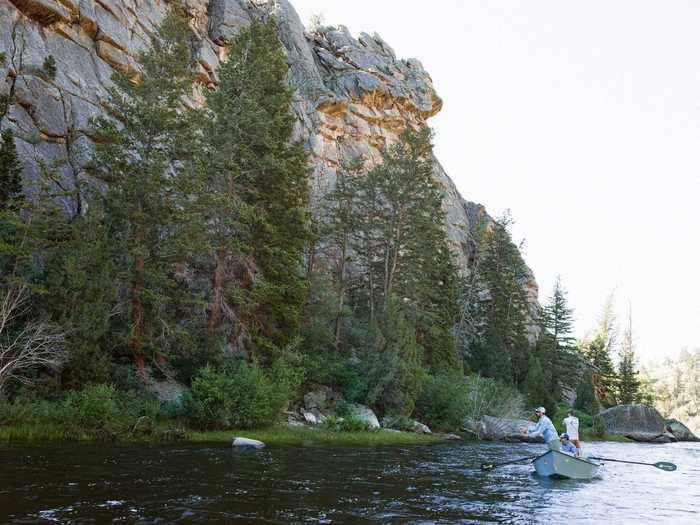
(190, 258)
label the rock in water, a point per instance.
(680, 431)
(247, 443)
(637, 422)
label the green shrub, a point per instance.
(133, 404)
(86, 365)
(240, 395)
(599, 428)
(443, 403)
(22, 412)
(351, 381)
(347, 423)
(489, 397)
(173, 409)
(93, 407)
(125, 378)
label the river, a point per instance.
(427, 484)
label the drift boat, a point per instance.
(555, 464)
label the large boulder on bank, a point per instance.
(637, 422)
(501, 429)
(680, 431)
(365, 414)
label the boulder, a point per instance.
(366, 414)
(405, 424)
(637, 422)
(241, 442)
(680, 431)
(310, 417)
(316, 399)
(501, 429)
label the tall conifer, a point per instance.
(259, 176)
(144, 156)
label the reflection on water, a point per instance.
(433, 484)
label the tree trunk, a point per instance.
(137, 316)
(217, 292)
(341, 294)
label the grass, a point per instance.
(279, 435)
(309, 436)
(41, 433)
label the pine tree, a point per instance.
(145, 160)
(586, 399)
(604, 374)
(599, 353)
(557, 341)
(401, 243)
(396, 373)
(536, 386)
(338, 229)
(10, 171)
(501, 350)
(260, 179)
(629, 384)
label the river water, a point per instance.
(427, 484)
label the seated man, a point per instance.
(567, 446)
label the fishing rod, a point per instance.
(491, 466)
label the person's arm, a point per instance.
(537, 430)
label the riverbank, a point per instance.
(278, 435)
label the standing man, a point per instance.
(544, 428)
(571, 423)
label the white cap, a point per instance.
(541, 409)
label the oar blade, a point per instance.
(663, 465)
(487, 466)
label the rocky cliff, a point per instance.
(353, 95)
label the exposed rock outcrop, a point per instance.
(353, 95)
(637, 422)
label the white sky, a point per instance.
(583, 118)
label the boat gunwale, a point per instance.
(568, 456)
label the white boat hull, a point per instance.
(556, 464)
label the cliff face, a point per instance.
(353, 96)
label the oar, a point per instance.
(491, 466)
(663, 465)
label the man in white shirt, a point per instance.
(571, 423)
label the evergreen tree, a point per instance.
(501, 350)
(338, 229)
(599, 353)
(629, 383)
(145, 159)
(396, 373)
(586, 399)
(557, 341)
(604, 374)
(536, 386)
(10, 171)
(401, 243)
(259, 182)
